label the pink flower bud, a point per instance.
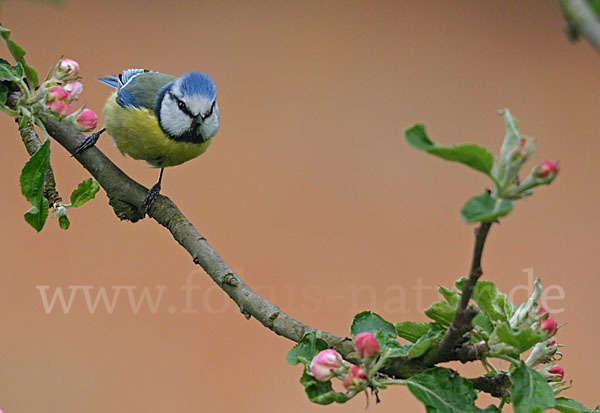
(358, 372)
(366, 345)
(549, 326)
(87, 120)
(74, 89)
(57, 93)
(68, 67)
(557, 370)
(57, 101)
(542, 310)
(327, 364)
(355, 377)
(524, 151)
(547, 167)
(551, 342)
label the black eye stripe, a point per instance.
(182, 106)
(210, 111)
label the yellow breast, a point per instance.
(136, 133)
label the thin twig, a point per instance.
(582, 21)
(463, 318)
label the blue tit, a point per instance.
(159, 118)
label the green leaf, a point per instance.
(37, 215)
(85, 191)
(490, 299)
(4, 32)
(8, 72)
(443, 391)
(369, 321)
(64, 222)
(491, 409)
(321, 392)
(595, 5)
(32, 76)
(19, 71)
(566, 405)
(3, 94)
(474, 156)
(417, 137)
(453, 297)
(24, 121)
(411, 330)
(33, 174)
(15, 50)
(512, 136)
(306, 349)
(521, 339)
(484, 208)
(427, 341)
(530, 392)
(484, 322)
(442, 312)
(391, 346)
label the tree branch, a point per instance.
(463, 318)
(582, 20)
(126, 197)
(497, 386)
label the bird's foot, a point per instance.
(88, 142)
(151, 197)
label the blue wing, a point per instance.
(121, 82)
(138, 88)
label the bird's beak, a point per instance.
(198, 121)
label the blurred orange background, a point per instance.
(309, 191)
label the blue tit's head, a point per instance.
(187, 108)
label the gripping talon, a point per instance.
(152, 193)
(88, 142)
(151, 197)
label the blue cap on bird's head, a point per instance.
(196, 83)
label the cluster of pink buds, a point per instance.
(367, 349)
(546, 353)
(328, 363)
(58, 92)
(58, 101)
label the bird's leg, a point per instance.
(152, 193)
(88, 142)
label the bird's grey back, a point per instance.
(138, 88)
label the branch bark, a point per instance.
(126, 196)
(582, 21)
(463, 318)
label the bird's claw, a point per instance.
(151, 197)
(87, 142)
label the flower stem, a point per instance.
(511, 360)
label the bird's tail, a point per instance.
(120, 80)
(112, 81)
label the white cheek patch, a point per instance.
(211, 124)
(172, 119)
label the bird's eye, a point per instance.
(181, 106)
